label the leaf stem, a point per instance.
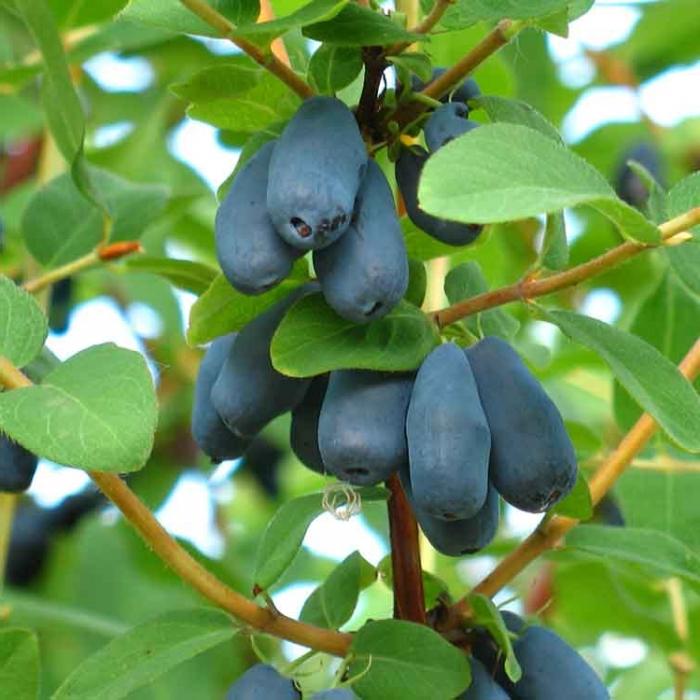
(99, 255)
(409, 600)
(547, 535)
(269, 61)
(530, 288)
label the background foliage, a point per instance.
(60, 194)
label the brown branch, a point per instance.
(190, 571)
(498, 37)
(187, 568)
(409, 600)
(269, 61)
(529, 289)
(374, 61)
(548, 535)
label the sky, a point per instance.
(189, 511)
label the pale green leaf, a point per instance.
(95, 411)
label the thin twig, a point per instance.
(529, 289)
(227, 30)
(106, 253)
(498, 37)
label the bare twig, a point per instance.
(269, 61)
(529, 289)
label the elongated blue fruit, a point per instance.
(551, 668)
(249, 392)
(361, 430)
(408, 169)
(628, 184)
(365, 273)
(208, 430)
(467, 90)
(483, 686)
(334, 694)
(448, 437)
(251, 254)
(315, 172)
(456, 538)
(533, 464)
(446, 123)
(262, 682)
(17, 466)
(303, 432)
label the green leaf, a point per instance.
(240, 11)
(399, 660)
(315, 11)
(360, 26)
(285, 533)
(466, 281)
(650, 378)
(656, 203)
(420, 245)
(313, 339)
(237, 97)
(19, 664)
(669, 319)
(23, 326)
(555, 249)
(60, 225)
(168, 14)
(417, 63)
(333, 67)
(465, 13)
(577, 503)
(76, 13)
(95, 411)
(222, 309)
(654, 553)
(417, 282)
(333, 602)
(685, 258)
(171, 15)
(191, 276)
(146, 652)
(528, 174)
(503, 109)
(63, 110)
(486, 615)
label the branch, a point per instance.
(106, 253)
(270, 62)
(375, 63)
(187, 568)
(548, 535)
(409, 600)
(498, 37)
(529, 289)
